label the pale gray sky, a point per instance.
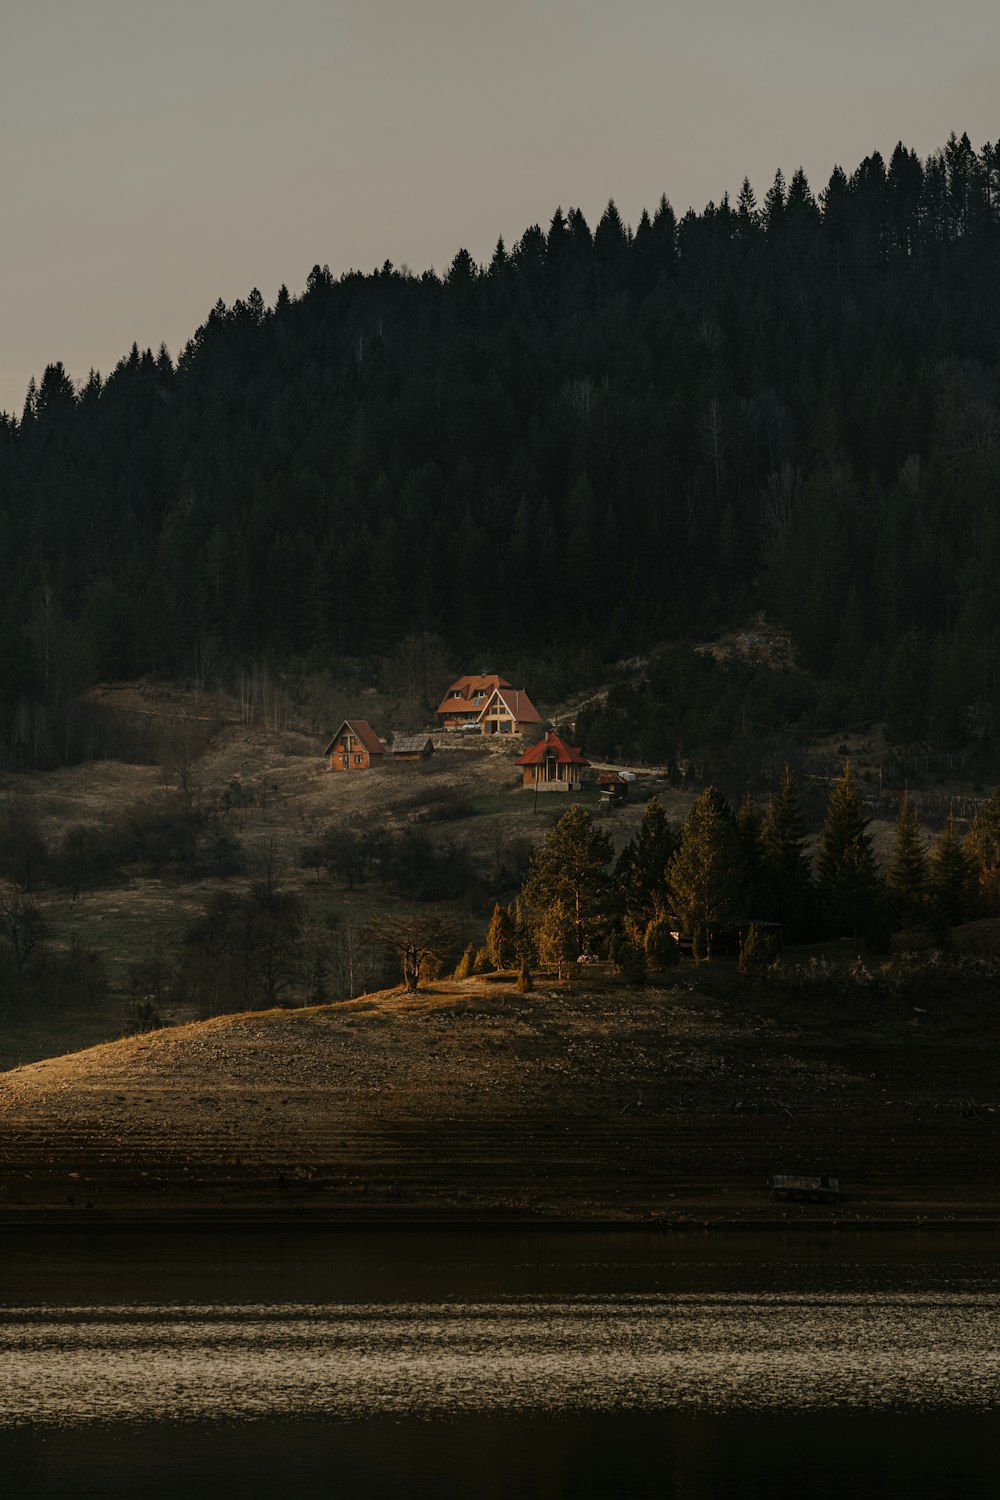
(159, 154)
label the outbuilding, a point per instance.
(411, 747)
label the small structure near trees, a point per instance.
(612, 785)
(355, 747)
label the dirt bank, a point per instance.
(471, 1102)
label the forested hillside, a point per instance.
(602, 440)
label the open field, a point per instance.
(672, 1103)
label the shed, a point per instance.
(411, 747)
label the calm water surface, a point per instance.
(501, 1365)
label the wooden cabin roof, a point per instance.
(517, 704)
(363, 731)
(411, 744)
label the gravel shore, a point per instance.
(470, 1103)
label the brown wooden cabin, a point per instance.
(411, 747)
(355, 747)
(552, 766)
(612, 786)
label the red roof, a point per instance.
(458, 698)
(363, 731)
(517, 704)
(566, 755)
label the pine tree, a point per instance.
(908, 875)
(569, 868)
(641, 871)
(850, 887)
(556, 938)
(982, 848)
(785, 876)
(950, 873)
(706, 877)
(748, 828)
(500, 939)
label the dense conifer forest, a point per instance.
(603, 440)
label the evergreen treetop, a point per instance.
(706, 875)
(846, 869)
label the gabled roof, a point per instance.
(458, 698)
(363, 731)
(566, 755)
(410, 744)
(517, 704)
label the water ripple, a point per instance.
(80, 1365)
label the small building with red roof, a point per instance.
(552, 766)
(465, 699)
(355, 747)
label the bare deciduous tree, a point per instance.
(415, 941)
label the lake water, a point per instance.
(397, 1365)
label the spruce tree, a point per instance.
(570, 867)
(500, 939)
(556, 937)
(705, 876)
(786, 879)
(950, 874)
(908, 875)
(748, 828)
(982, 848)
(641, 871)
(850, 887)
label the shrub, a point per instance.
(755, 953)
(465, 964)
(661, 947)
(630, 962)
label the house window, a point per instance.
(359, 760)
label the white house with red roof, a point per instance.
(552, 765)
